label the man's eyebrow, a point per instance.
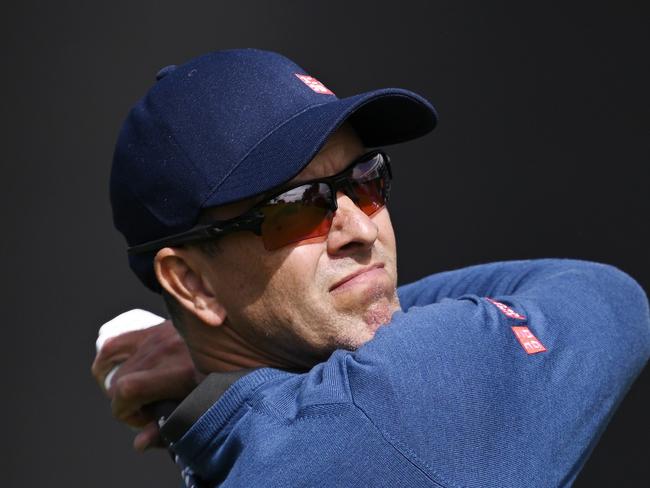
(293, 184)
(288, 185)
(281, 189)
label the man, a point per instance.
(248, 197)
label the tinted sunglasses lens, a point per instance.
(297, 215)
(370, 182)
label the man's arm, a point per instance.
(453, 386)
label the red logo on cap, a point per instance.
(314, 84)
(528, 341)
(506, 310)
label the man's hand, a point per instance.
(154, 365)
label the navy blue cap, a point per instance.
(229, 125)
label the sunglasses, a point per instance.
(300, 213)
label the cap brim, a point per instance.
(381, 117)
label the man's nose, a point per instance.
(352, 230)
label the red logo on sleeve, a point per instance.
(528, 341)
(506, 310)
(314, 84)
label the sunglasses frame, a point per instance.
(252, 219)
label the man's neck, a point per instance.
(222, 349)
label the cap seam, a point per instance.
(248, 153)
(137, 194)
(160, 121)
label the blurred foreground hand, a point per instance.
(144, 367)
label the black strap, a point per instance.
(174, 426)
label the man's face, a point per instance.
(301, 302)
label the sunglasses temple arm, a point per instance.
(206, 232)
(192, 235)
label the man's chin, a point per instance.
(367, 320)
(380, 313)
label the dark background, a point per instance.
(542, 141)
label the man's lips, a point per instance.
(358, 275)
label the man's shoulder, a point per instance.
(508, 277)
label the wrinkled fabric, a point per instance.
(445, 395)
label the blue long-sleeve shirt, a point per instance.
(498, 375)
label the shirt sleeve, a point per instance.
(504, 374)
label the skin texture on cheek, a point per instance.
(269, 299)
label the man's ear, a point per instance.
(179, 273)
